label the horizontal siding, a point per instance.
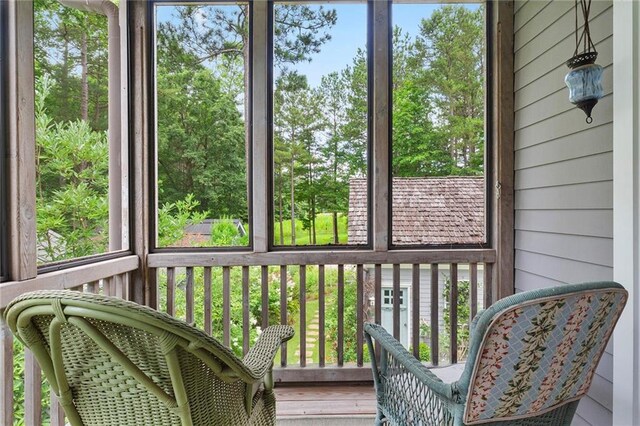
(594, 412)
(546, 84)
(575, 145)
(559, 33)
(546, 16)
(597, 251)
(594, 168)
(561, 269)
(579, 421)
(555, 103)
(537, 60)
(593, 223)
(564, 124)
(563, 167)
(518, 4)
(596, 195)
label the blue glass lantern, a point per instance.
(585, 78)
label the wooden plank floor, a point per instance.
(342, 401)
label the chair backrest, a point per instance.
(535, 351)
(114, 362)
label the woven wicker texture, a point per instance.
(113, 362)
(532, 341)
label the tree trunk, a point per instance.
(84, 94)
(293, 208)
(64, 77)
(247, 129)
(280, 208)
(313, 219)
(336, 238)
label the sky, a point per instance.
(350, 33)
(347, 35)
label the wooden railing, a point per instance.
(24, 396)
(232, 295)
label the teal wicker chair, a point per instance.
(113, 362)
(532, 357)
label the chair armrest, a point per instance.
(398, 352)
(260, 357)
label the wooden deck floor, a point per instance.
(325, 401)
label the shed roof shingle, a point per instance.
(429, 210)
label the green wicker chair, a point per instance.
(532, 357)
(113, 362)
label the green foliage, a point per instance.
(173, 218)
(236, 310)
(67, 43)
(198, 154)
(424, 352)
(71, 184)
(323, 226)
(451, 45)
(225, 233)
(463, 311)
(18, 389)
(349, 318)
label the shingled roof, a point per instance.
(430, 210)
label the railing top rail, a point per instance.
(182, 259)
(68, 278)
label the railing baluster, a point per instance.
(378, 294)
(340, 315)
(56, 412)
(265, 296)
(283, 311)
(226, 305)
(32, 390)
(207, 300)
(378, 300)
(245, 310)
(118, 284)
(303, 316)
(396, 301)
(321, 307)
(189, 295)
(434, 314)
(6, 374)
(453, 313)
(488, 285)
(152, 289)
(359, 314)
(127, 285)
(107, 284)
(473, 291)
(171, 291)
(93, 287)
(415, 310)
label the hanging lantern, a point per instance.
(585, 78)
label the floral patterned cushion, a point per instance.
(536, 356)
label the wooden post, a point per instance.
(21, 137)
(502, 131)
(381, 102)
(32, 390)
(6, 374)
(142, 283)
(260, 128)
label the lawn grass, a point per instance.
(293, 345)
(324, 230)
